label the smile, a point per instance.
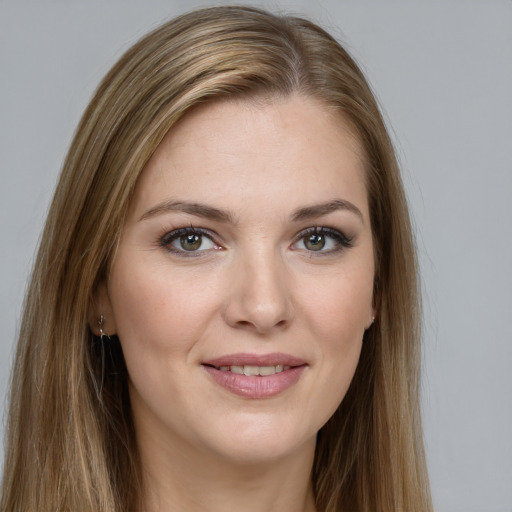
(256, 376)
(251, 370)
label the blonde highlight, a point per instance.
(71, 443)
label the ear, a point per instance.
(102, 307)
(371, 317)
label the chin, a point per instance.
(250, 440)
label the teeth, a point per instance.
(252, 371)
(267, 370)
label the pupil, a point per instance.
(315, 242)
(190, 242)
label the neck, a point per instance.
(177, 480)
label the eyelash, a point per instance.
(166, 240)
(341, 240)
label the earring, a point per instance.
(101, 323)
(371, 323)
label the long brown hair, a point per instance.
(70, 443)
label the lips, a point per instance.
(255, 376)
(255, 360)
(251, 370)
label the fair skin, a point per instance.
(247, 249)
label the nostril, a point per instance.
(248, 323)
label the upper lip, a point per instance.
(273, 359)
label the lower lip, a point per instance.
(256, 386)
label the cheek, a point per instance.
(337, 311)
(157, 309)
(339, 306)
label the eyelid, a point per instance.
(166, 240)
(342, 240)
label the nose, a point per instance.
(259, 296)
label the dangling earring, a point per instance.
(101, 323)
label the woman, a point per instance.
(223, 313)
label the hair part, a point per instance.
(71, 442)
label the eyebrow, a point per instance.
(212, 213)
(197, 209)
(317, 210)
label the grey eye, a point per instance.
(322, 240)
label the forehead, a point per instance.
(293, 150)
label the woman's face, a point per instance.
(242, 284)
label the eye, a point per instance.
(322, 240)
(188, 240)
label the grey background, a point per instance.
(443, 73)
